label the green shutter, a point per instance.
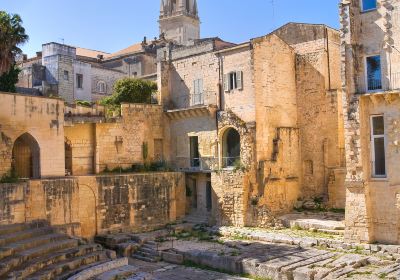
(239, 79)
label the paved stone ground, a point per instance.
(268, 254)
(279, 261)
(324, 222)
(165, 271)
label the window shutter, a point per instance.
(226, 82)
(200, 86)
(239, 79)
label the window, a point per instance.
(378, 147)
(101, 87)
(79, 80)
(367, 5)
(66, 75)
(194, 152)
(197, 97)
(233, 80)
(374, 73)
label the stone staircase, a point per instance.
(148, 252)
(197, 218)
(37, 251)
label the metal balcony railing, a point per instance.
(230, 161)
(192, 100)
(365, 85)
(196, 164)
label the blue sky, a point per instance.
(111, 25)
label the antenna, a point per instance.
(62, 40)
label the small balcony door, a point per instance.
(194, 152)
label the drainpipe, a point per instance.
(329, 59)
(219, 103)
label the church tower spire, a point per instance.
(179, 20)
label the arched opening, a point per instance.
(230, 147)
(26, 157)
(68, 157)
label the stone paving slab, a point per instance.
(316, 221)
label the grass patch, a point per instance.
(359, 273)
(382, 275)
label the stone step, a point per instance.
(70, 266)
(66, 275)
(37, 264)
(143, 258)
(94, 271)
(25, 234)
(26, 244)
(15, 228)
(14, 261)
(118, 273)
(149, 250)
(153, 254)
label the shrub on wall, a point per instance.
(130, 90)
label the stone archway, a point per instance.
(26, 157)
(230, 147)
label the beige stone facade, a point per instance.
(371, 63)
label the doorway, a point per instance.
(26, 157)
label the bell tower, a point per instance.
(179, 20)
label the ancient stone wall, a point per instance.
(121, 144)
(43, 119)
(277, 137)
(84, 206)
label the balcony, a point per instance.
(193, 100)
(230, 162)
(391, 83)
(202, 164)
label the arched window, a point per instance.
(230, 147)
(26, 157)
(101, 87)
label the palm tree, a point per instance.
(12, 34)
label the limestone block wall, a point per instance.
(320, 120)
(183, 73)
(120, 144)
(85, 206)
(204, 127)
(230, 197)
(240, 101)
(277, 137)
(231, 188)
(81, 139)
(372, 210)
(43, 119)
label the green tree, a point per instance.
(12, 35)
(130, 90)
(9, 79)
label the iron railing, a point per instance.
(230, 161)
(189, 100)
(365, 85)
(196, 164)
